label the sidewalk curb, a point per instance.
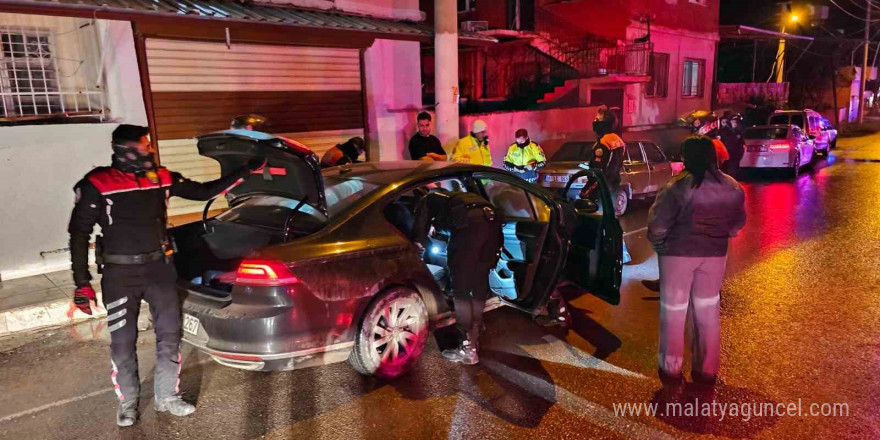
(55, 313)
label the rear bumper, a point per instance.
(262, 337)
(766, 160)
(279, 361)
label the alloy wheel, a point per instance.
(396, 329)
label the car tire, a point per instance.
(621, 201)
(832, 145)
(387, 346)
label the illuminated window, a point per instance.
(692, 78)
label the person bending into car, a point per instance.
(475, 239)
(129, 200)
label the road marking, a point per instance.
(555, 394)
(28, 412)
(627, 234)
(561, 352)
(54, 404)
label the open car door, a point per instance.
(596, 249)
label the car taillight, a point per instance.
(264, 273)
(780, 146)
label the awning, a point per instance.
(221, 11)
(739, 32)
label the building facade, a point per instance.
(321, 71)
(652, 59)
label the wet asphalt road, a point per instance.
(800, 313)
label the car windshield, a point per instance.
(766, 133)
(573, 151)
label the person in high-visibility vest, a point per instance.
(524, 157)
(474, 148)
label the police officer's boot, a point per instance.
(174, 405)
(127, 413)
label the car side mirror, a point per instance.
(586, 206)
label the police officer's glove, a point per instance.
(83, 297)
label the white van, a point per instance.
(809, 121)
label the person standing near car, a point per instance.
(690, 225)
(129, 201)
(424, 145)
(608, 149)
(608, 157)
(475, 239)
(474, 148)
(525, 158)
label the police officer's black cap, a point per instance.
(129, 133)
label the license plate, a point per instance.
(556, 178)
(190, 324)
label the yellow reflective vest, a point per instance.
(469, 150)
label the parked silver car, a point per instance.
(777, 146)
(645, 170)
(810, 123)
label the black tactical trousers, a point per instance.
(472, 252)
(124, 286)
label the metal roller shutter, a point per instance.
(309, 94)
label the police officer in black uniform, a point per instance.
(129, 200)
(475, 240)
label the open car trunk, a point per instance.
(283, 202)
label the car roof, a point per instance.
(390, 172)
(786, 126)
(777, 112)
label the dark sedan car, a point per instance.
(310, 267)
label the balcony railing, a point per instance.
(591, 55)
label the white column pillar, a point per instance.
(446, 70)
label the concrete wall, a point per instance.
(41, 163)
(394, 97)
(549, 128)
(643, 111)
(394, 9)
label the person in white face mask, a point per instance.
(524, 157)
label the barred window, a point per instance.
(28, 78)
(49, 70)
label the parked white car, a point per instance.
(777, 146)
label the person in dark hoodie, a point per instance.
(608, 150)
(344, 153)
(608, 156)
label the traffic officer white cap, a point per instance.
(479, 126)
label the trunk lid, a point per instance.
(293, 170)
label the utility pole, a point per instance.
(864, 75)
(446, 71)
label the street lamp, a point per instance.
(794, 18)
